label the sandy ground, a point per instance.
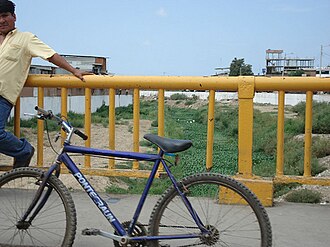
(124, 137)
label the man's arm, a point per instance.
(62, 63)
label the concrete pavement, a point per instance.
(293, 224)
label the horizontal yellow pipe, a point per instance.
(139, 82)
(299, 84)
(263, 83)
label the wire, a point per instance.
(326, 54)
(48, 137)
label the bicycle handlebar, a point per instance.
(46, 114)
(80, 134)
(65, 125)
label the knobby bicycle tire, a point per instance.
(54, 225)
(232, 213)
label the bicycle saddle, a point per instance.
(168, 145)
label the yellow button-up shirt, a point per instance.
(16, 53)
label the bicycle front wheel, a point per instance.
(54, 225)
(230, 212)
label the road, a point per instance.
(293, 224)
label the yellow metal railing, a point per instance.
(245, 86)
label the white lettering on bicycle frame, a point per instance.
(98, 201)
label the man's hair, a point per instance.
(7, 6)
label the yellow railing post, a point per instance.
(112, 126)
(88, 125)
(210, 131)
(308, 134)
(136, 124)
(40, 142)
(64, 110)
(64, 107)
(280, 134)
(245, 128)
(161, 112)
(161, 117)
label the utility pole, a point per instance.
(321, 61)
(321, 55)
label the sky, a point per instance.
(179, 37)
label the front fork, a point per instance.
(42, 199)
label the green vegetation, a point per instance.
(189, 123)
(192, 124)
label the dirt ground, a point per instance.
(124, 137)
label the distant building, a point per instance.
(222, 71)
(279, 64)
(325, 72)
(93, 64)
(96, 65)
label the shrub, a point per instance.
(102, 111)
(194, 97)
(154, 123)
(190, 102)
(304, 196)
(125, 112)
(321, 147)
(227, 121)
(299, 108)
(77, 120)
(265, 132)
(263, 165)
(178, 96)
(321, 116)
(294, 126)
(282, 189)
(294, 159)
(200, 116)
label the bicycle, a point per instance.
(206, 209)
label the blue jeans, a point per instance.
(9, 144)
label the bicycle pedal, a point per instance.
(90, 232)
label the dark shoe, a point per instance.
(24, 163)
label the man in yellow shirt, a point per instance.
(16, 52)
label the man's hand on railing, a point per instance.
(80, 74)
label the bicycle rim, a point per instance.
(54, 225)
(231, 213)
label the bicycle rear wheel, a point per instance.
(229, 210)
(54, 225)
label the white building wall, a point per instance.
(262, 97)
(75, 103)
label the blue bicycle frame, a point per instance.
(40, 198)
(102, 205)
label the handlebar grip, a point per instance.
(79, 133)
(47, 114)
